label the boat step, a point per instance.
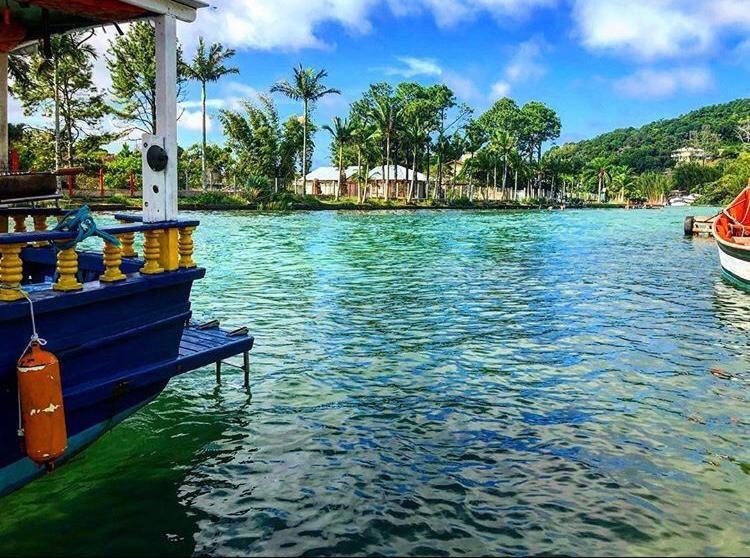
(209, 344)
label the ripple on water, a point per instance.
(438, 383)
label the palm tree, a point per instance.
(384, 115)
(416, 132)
(505, 144)
(364, 136)
(598, 169)
(307, 87)
(342, 133)
(208, 66)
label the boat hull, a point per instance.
(735, 265)
(113, 342)
(23, 471)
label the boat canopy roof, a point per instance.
(40, 18)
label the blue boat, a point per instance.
(118, 322)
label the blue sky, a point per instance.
(601, 64)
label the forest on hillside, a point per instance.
(650, 147)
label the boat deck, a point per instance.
(203, 346)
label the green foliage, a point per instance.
(66, 82)
(261, 145)
(208, 65)
(650, 147)
(118, 170)
(213, 199)
(733, 180)
(285, 201)
(655, 186)
(693, 177)
(131, 60)
(35, 149)
(307, 86)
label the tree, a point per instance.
(208, 66)
(443, 99)
(705, 139)
(263, 147)
(692, 177)
(63, 89)
(597, 171)
(503, 144)
(743, 132)
(306, 86)
(341, 133)
(131, 60)
(539, 123)
(384, 114)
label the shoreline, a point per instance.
(96, 205)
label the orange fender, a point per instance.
(42, 411)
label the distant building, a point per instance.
(323, 181)
(398, 178)
(689, 155)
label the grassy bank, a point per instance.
(286, 201)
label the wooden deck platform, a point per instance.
(201, 346)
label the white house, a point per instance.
(324, 180)
(398, 178)
(689, 154)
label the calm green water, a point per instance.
(434, 382)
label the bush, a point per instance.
(285, 201)
(693, 177)
(214, 198)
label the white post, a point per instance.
(160, 199)
(3, 111)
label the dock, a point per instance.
(699, 226)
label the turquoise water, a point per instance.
(434, 382)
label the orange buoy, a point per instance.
(42, 412)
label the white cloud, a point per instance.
(524, 65)
(295, 24)
(499, 90)
(210, 103)
(192, 121)
(415, 67)
(464, 87)
(651, 83)
(651, 29)
(274, 24)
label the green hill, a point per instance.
(649, 147)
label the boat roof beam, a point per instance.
(43, 17)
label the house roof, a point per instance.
(396, 172)
(330, 173)
(55, 17)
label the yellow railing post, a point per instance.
(128, 240)
(168, 247)
(67, 269)
(152, 253)
(11, 272)
(186, 248)
(40, 225)
(112, 263)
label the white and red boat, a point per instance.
(732, 232)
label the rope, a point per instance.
(81, 222)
